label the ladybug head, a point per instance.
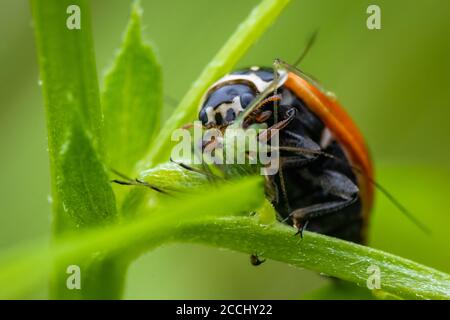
(229, 96)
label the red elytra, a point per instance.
(344, 130)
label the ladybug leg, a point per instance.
(301, 228)
(299, 143)
(295, 162)
(255, 260)
(263, 116)
(334, 184)
(257, 109)
(266, 134)
(302, 216)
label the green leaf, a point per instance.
(85, 191)
(237, 45)
(131, 100)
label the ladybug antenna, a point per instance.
(397, 204)
(383, 190)
(311, 40)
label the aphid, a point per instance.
(325, 177)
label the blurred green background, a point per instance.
(395, 82)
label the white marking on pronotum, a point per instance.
(235, 105)
(252, 78)
(259, 83)
(211, 114)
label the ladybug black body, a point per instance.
(321, 190)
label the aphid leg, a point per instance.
(335, 184)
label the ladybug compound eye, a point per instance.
(230, 116)
(246, 99)
(203, 117)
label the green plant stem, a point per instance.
(81, 193)
(327, 255)
(399, 277)
(261, 17)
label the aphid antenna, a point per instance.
(190, 168)
(127, 181)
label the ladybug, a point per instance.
(325, 180)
